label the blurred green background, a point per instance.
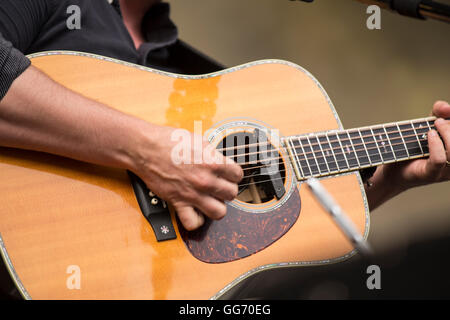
(372, 76)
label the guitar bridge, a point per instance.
(154, 209)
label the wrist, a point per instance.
(141, 143)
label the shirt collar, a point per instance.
(159, 30)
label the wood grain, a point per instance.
(56, 212)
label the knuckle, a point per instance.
(199, 177)
(439, 162)
(172, 194)
(214, 166)
(182, 194)
(189, 195)
(204, 182)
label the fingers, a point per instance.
(224, 174)
(196, 189)
(192, 219)
(436, 167)
(441, 109)
(437, 160)
(211, 207)
(189, 217)
(224, 190)
(222, 166)
(443, 127)
(229, 170)
(209, 183)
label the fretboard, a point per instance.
(335, 152)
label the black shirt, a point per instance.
(30, 26)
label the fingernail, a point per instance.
(438, 120)
(443, 103)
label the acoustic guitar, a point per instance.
(74, 230)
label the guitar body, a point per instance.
(61, 218)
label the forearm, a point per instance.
(39, 114)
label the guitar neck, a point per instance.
(335, 152)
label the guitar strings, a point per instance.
(319, 174)
(328, 172)
(334, 150)
(412, 122)
(317, 158)
(416, 134)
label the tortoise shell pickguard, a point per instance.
(241, 233)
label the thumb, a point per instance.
(441, 109)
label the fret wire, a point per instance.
(380, 144)
(412, 122)
(350, 170)
(323, 154)
(410, 137)
(372, 136)
(417, 137)
(333, 149)
(353, 147)
(298, 137)
(354, 169)
(314, 155)
(342, 148)
(376, 144)
(365, 147)
(372, 164)
(332, 152)
(406, 147)
(296, 156)
(401, 122)
(368, 139)
(397, 144)
(306, 157)
(389, 140)
(424, 134)
(400, 132)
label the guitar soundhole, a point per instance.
(264, 170)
